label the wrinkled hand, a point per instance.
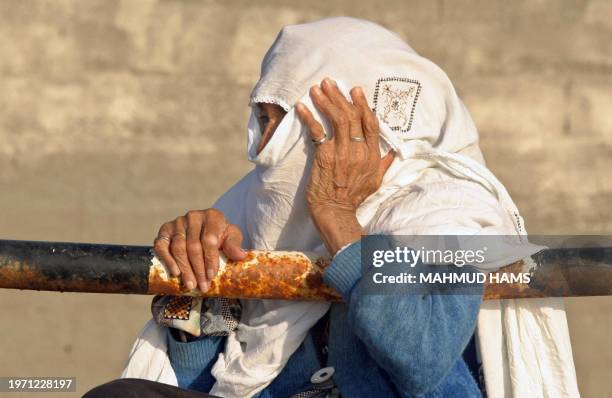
(348, 167)
(189, 246)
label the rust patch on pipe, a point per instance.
(262, 274)
(16, 275)
(23, 276)
(161, 283)
(495, 291)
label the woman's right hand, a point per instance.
(189, 246)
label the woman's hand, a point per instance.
(347, 168)
(189, 246)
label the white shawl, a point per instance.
(437, 185)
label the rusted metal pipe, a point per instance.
(95, 268)
(74, 267)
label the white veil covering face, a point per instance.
(438, 184)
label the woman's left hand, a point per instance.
(347, 167)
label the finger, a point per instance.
(342, 133)
(332, 91)
(211, 241)
(315, 130)
(324, 153)
(162, 249)
(368, 118)
(178, 249)
(338, 120)
(340, 125)
(232, 243)
(385, 163)
(195, 252)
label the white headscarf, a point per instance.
(420, 115)
(437, 185)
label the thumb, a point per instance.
(232, 244)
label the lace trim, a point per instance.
(268, 99)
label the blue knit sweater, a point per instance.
(380, 346)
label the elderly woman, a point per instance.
(396, 154)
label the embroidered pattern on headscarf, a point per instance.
(395, 99)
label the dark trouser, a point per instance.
(137, 388)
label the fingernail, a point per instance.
(299, 106)
(190, 285)
(204, 286)
(210, 274)
(329, 81)
(316, 90)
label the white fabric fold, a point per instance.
(271, 330)
(148, 358)
(261, 346)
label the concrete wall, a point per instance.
(118, 115)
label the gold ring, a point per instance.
(182, 235)
(358, 139)
(162, 237)
(320, 141)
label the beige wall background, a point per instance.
(118, 115)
